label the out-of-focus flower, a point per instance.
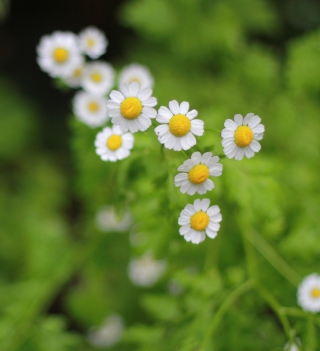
(107, 220)
(132, 108)
(309, 293)
(293, 346)
(93, 42)
(179, 126)
(90, 109)
(199, 219)
(146, 271)
(59, 54)
(108, 334)
(98, 77)
(136, 73)
(74, 80)
(196, 172)
(113, 145)
(241, 136)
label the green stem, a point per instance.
(213, 130)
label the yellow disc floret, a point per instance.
(198, 174)
(96, 77)
(93, 106)
(114, 142)
(135, 79)
(179, 125)
(243, 136)
(60, 55)
(90, 42)
(131, 107)
(315, 293)
(199, 221)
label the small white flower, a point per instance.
(74, 80)
(132, 108)
(112, 145)
(293, 347)
(179, 126)
(98, 77)
(93, 42)
(108, 334)
(107, 220)
(196, 172)
(309, 293)
(199, 219)
(146, 271)
(90, 109)
(241, 136)
(59, 54)
(136, 73)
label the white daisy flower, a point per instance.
(107, 220)
(196, 172)
(132, 108)
(180, 126)
(90, 109)
(293, 346)
(146, 271)
(74, 80)
(199, 219)
(59, 54)
(136, 73)
(108, 334)
(93, 42)
(241, 136)
(112, 145)
(98, 77)
(309, 293)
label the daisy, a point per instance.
(196, 172)
(199, 219)
(74, 80)
(98, 77)
(93, 42)
(146, 271)
(90, 109)
(59, 54)
(179, 126)
(309, 293)
(132, 108)
(112, 145)
(241, 136)
(108, 220)
(136, 73)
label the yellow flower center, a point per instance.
(179, 125)
(135, 79)
(93, 106)
(60, 55)
(77, 72)
(243, 136)
(199, 221)
(114, 142)
(96, 77)
(315, 292)
(198, 174)
(90, 42)
(131, 108)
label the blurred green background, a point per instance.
(60, 275)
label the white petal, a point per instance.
(184, 107)
(174, 107)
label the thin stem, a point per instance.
(213, 130)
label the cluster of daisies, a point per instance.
(131, 109)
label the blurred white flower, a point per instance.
(241, 136)
(146, 271)
(107, 220)
(309, 293)
(108, 334)
(90, 109)
(59, 54)
(136, 73)
(293, 347)
(93, 42)
(74, 80)
(98, 77)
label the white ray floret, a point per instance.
(309, 293)
(179, 126)
(195, 173)
(241, 136)
(93, 42)
(90, 109)
(59, 54)
(136, 73)
(113, 145)
(199, 220)
(132, 108)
